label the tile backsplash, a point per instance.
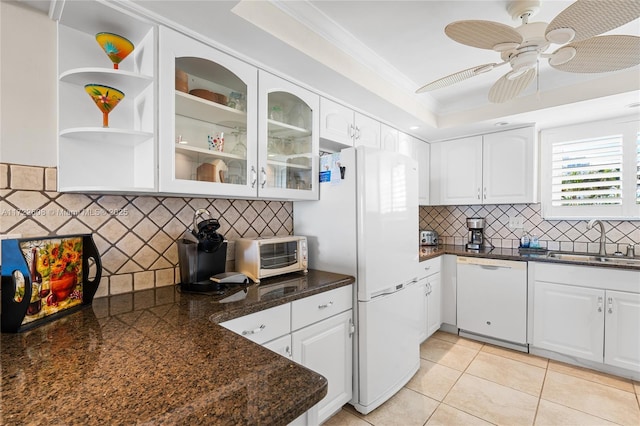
(570, 235)
(135, 235)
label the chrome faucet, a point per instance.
(603, 238)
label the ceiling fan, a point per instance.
(579, 25)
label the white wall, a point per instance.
(28, 86)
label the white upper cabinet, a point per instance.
(497, 168)
(341, 127)
(509, 172)
(389, 139)
(220, 136)
(421, 152)
(367, 131)
(406, 145)
(456, 171)
(336, 123)
(208, 115)
(288, 151)
(105, 145)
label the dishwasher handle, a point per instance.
(493, 267)
(491, 263)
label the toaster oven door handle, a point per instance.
(254, 331)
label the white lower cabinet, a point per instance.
(588, 313)
(434, 302)
(263, 326)
(281, 346)
(317, 332)
(431, 294)
(569, 320)
(326, 348)
(622, 330)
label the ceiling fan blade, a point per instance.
(588, 18)
(457, 77)
(482, 34)
(601, 54)
(505, 89)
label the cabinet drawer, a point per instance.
(281, 346)
(264, 325)
(429, 267)
(320, 306)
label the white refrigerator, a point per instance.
(366, 225)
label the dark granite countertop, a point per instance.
(158, 357)
(429, 252)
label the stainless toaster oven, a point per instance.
(264, 257)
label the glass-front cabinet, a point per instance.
(221, 136)
(208, 103)
(288, 138)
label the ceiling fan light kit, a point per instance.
(561, 35)
(580, 24)
(562, 56)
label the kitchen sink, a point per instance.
(593, 258)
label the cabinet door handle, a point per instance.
(610, 302)
(352, 131)
(254, 331)
(325, 305)
(485, 192)
(600, 304)
(263, 172)
(254, 177)
(478, 193)
(357, 132)
(287, 350)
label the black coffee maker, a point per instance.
(202, 253)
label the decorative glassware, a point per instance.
(106, 98)
(116, 47)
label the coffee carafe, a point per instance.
(476, 233)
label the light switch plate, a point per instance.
(516, 222)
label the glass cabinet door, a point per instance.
(288, 140)
(209, 144)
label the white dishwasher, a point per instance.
(492, 300)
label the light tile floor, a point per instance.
(464, 382)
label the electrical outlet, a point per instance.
(516, 222)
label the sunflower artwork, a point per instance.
(56, 275)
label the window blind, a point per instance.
(588, 172)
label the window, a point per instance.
(591, 170)
(587, 172)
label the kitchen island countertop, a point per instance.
(158, 357)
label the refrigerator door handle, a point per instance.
(393, 289)
(384, 292)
